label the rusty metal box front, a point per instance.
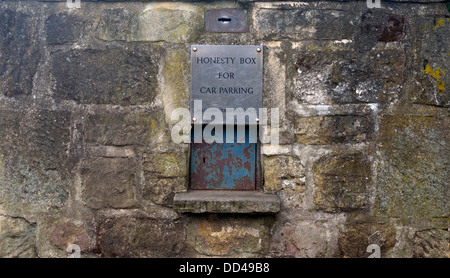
(231, 166)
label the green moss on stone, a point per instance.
(413, 174)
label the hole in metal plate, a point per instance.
(226, 21)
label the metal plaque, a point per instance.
(226, 21)
(226, 76)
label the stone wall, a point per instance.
(86, 155)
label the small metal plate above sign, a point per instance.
(226, 21)
(225, 76)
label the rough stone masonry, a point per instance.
(86, 155)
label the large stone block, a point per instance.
(162, 190)
(430, 34)
(433, 243)
(28, 191)
(230, 236)
(304, 21)
(35, 162)
(429, 84)
(63, 28)
(283, 171)
(170, 22)
(17, 238)
(312, 73)
(19, 52)
(356, 237)
(286, 175)
(380, 26)
(165, 174)
(45, 138)
(328, 74)
(305, 239)
(123, 76)
(413, 167)
(174, 22)
(341, 182)
(333, 129)
(165, 165)
(116, 24)
(64, 234)
(108, 182)
(142, 237)
(9, 129)
(125, 128)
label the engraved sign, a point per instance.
(226, 76)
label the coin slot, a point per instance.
(224, 19)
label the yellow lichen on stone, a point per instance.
(440, 23)
(436, 74)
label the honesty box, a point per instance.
(226, 76)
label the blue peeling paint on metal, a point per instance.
(224, 165)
